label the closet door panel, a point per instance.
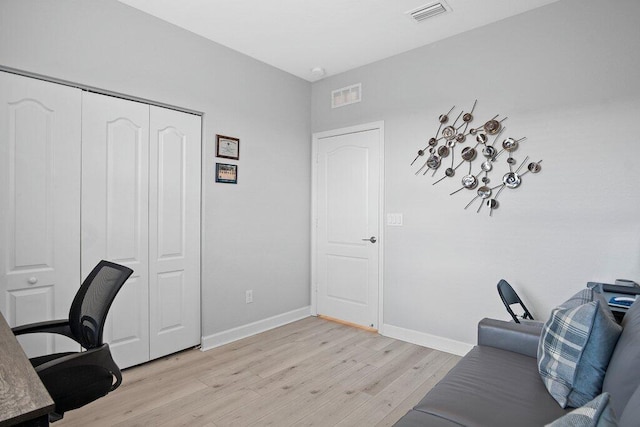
(39, 213)
(174, 223)
(115, 171)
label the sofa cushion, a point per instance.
(588, 295)
(415, 418)
(520, 338)
(583, 297)
(623, 376)
(631, 413)
(492, 387)
(574, 351)
(596, 413)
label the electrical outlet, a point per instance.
(249, 297)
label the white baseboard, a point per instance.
(426, 340)
(231, 335)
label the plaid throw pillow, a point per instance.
(574, 351)
(584, 296)
(596, 413)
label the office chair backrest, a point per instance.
(91, 304)
(510, 297)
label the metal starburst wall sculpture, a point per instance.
(449, 137)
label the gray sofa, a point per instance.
(497, 383)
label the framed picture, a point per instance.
(227, 174)
(227, 147)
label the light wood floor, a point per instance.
(309, 373)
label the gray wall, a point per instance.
(256, 233)
(566, 75)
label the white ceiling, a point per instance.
(336, 35)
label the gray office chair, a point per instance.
(510, 297)
(77, 378)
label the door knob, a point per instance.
(371, 239)
(32, 280)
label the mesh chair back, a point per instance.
(91, 304)
(510, 297)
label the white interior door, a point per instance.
(115, 207)
(347, 236)
(174, 237)
(40, 208)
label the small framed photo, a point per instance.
(227, 147)
(226, 173)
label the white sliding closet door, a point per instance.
(174, 236)
(115, 210)
(40, 205)
(141, 208)
(85, 177)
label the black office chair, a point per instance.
(510, 297)
(77, 378)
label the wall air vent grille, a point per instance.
(346, 95)
(429, 11)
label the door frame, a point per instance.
(315, 143)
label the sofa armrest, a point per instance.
(516, 337)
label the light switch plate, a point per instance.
(394, 219)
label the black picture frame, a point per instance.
(226, 173)
(227, 147)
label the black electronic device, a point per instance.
(617, 289)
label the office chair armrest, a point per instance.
(519, 338)
(99, 356)
(60, 327)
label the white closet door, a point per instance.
(174, 236)
(115, 204)
(40, 205)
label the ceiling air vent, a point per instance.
(429, 11)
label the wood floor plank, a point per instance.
(315, 397)
(196, 406)
(389, 372)
(330, 362)
(312, 372)
(396, 392)
(208, 411)
(280, 393)
(377, 342)
(230, 378)
(177, 360)
(116, 408)
(335, 409)
(389, 352)
(417, 395)
(255, 354)
(302, 350)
